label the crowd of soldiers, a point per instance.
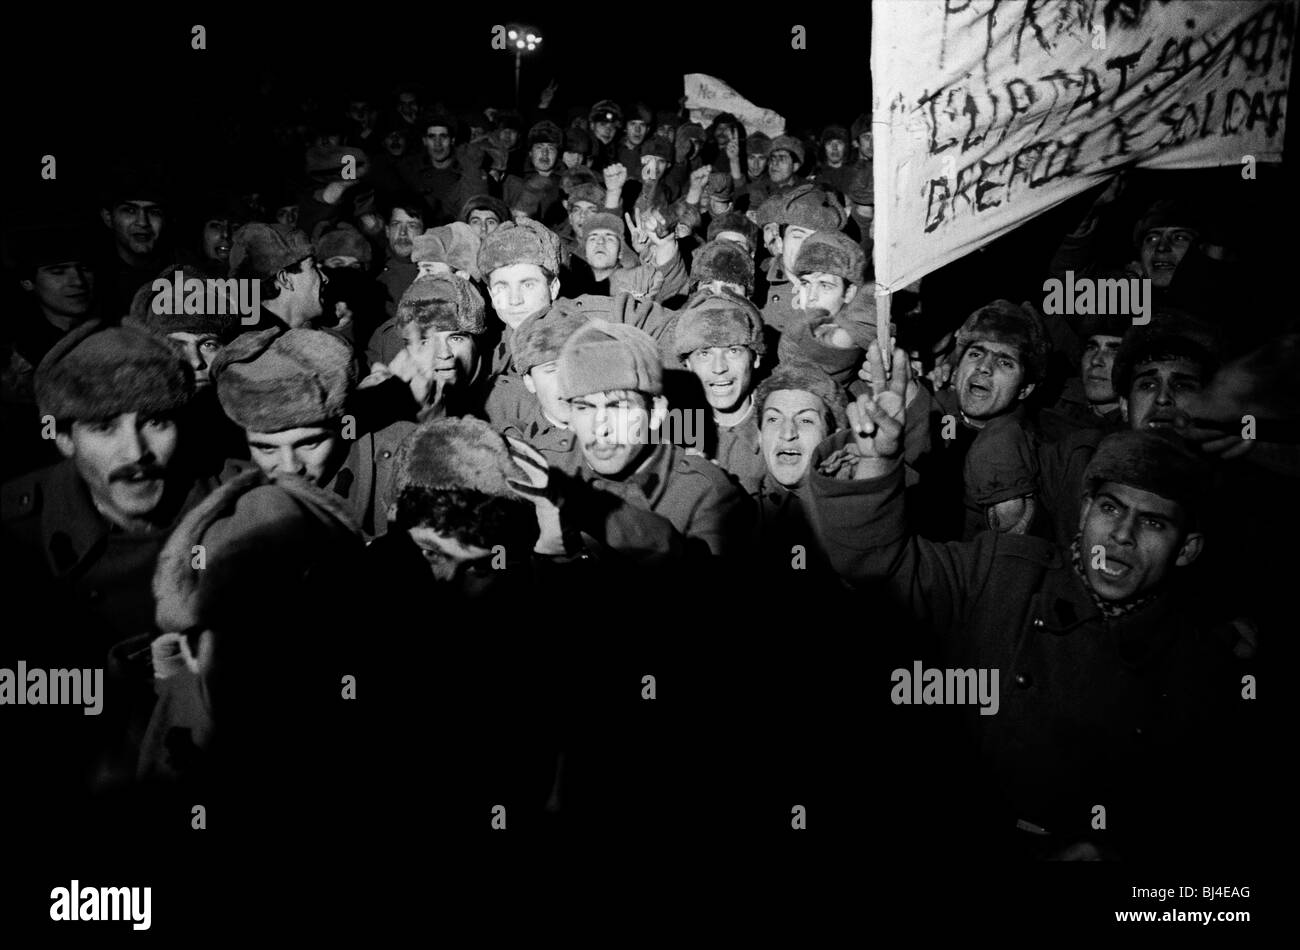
(622, 377)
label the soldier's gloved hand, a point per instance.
(536, 489)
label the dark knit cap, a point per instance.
(263, 250)
(721, 319)
(1005, 322)
(639, 110)
(455, 454)
(225, 326)
(723, 260)
(737, 222)
(667, 118)
(143, 181)
(835, 132)
(831, 252)
(262, 536)
(278, 379)
(442, 302)
(541, 336)
(486, 203)
(525, 242)
(601, 357)
(1158, 462)
(861, 124)
(97, 372)
(1168, 213)
(802, 376)
(1171, 334)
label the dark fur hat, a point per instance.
(723, 260)
(224, 326)
(455, 454)
(1168, 213)
(442, 302)
(277, 379)
(526, 242)
(263, 250)
(720, 319)
(545, 131)
(1158, 462)
(1018, 326)
(602, 357)
(97, 372)
(737, 222)
(540, 338)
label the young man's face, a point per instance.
(136, 225)
(65, 290)
(395, 143)
(124, 461)
(1096, 366)
(636, 130)
(287, 215)
(508, 137)
(667, 132)
(544, 383)
(408, 106)
(544, 155)
(447, 356)
(603, 130)
(401, 232)
(757, 165)
(829, 292)
(446, 556)
(1161, 393)
(835, 149)
(199, 350)
(780, 167)
(520, 290)
(612, 428)
(307, 451)
(579, 212)
(484, 221)
(866, 148)
(791, 242)
(990, 380)
(216, 240)
(437, 142)
(1162, 249)
(726, 372)
(574, 159)
(602, 247)
(1143, 537)
(791, 427)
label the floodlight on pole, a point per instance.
(526, 39)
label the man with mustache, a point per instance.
(404, 223)
(719, 338)
(80, 539)
(1111, 680)
(611, 375)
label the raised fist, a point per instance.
(615, 177)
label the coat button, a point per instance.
(25, 500)
(385, 454)
(1024, 680)
(1038, 623)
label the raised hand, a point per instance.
(876, 419)
(615, 177)
(536, 489)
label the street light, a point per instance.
(526, 39)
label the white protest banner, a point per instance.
(706, 97)
(988, 112)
